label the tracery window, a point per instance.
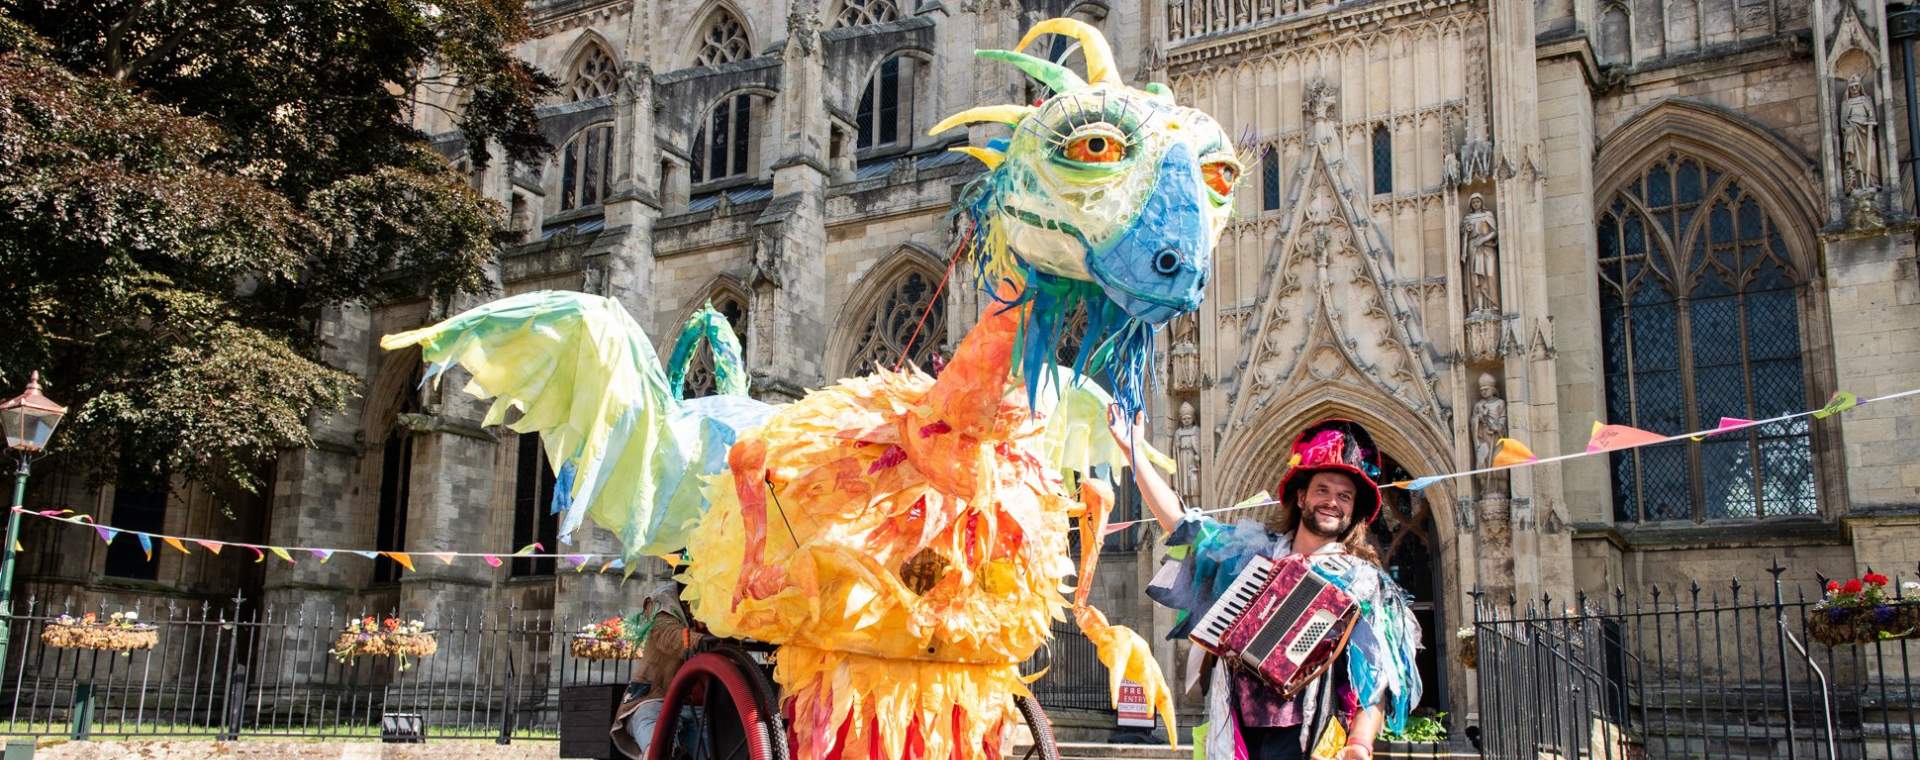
(723, 41)
(888, 331)
(1700, 319)
(1382, 160)
(594, 75)
(723, 147)
(700, 380)
(586, 167)
(886, 105)
(866, 12)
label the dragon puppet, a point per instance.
(902, 538)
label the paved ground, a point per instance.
(266, 750)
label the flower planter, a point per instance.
(109, 638)
(1842, 625)
(1467, 646)
(597, 648)
(367, 637)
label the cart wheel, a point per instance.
(1043, 747)
(742, 721)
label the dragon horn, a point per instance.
(1055, 76)
(1006, 114)
(1093, 46)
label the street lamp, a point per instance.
(29, 420)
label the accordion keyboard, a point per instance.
(1234, 602)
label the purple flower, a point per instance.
(1838, 614)
(1883, 614)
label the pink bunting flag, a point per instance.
(212, 546)
(1611, 437)
(1116, 528)
(492, 561)
(446, 558)
(1726, 424)
(258, 556)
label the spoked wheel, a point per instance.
(741, 714)
(1044, 747)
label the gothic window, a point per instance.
(723, 148)
(586, 167)
(907, 320)
(1269, 180)
(1382, 160)
(533, 517)
(1700, 319)
(139, 503)
(1616, 35)
(885, 114)
(723, 41)
(594, 75)
(699, 379)
(866, 12)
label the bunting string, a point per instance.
(108, 534)
(1511, 455)
(1605, 439)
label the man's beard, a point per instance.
(1308, 522)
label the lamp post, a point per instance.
(29, 420)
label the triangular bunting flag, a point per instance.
(281, 553)
(1613, 437)
(530, 548)
(1841, 402)
(492, 561)
(605, 565)
(1512, 452)
(403, 558)
(579, 561)
(369, 555)
(17, 548)
(1421, 483)
(106, 534)
(146, 545)
(1116, 528)
(446, 558)
(1726, 424)
(175, 543)
(212, 546)
(258, 556)
(323, 554)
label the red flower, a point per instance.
(1833, 586)
(1874, 579)
(391, 624)
(1853, 586)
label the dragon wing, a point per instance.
(583, 375)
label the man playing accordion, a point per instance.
(1328, 499)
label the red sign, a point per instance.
(1133, 706)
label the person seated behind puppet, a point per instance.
(666, 639)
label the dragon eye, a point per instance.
(1220, 176)
(1096, 147)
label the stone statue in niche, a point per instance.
(1184, 358)
(1859, 124)
(1186, 455)
(1479, 251)
(1450, 170)
(1489, 426)
(1319, 101)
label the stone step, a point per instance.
(1091, 751)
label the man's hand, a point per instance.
(1126, 434)
(1354, 752)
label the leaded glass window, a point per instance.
(1700, 320)
(885, 114)
(865, 12)
(594, 75)
(909, 320)
(723, 147)
(586, 167)
(700, 380)
(1269, 180)
(723, 41)
(1382, 160)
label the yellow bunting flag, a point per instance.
(17, 548)
(281, 553)
(403, 558)
(1610, 437)
(1512, 452)
(1840, 402)
(175, 543)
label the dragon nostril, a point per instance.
(1167, 262)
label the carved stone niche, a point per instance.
(1486, 338)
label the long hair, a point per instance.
(1358, 538)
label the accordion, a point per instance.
(1280, 620)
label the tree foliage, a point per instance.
(185, 185)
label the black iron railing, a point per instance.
(232, 670)
(1688, 671)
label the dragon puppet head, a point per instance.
(1105, 196)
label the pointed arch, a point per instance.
(593, 69)
(721, 35)
(893, 302)
(1706, 250)
(891, 100)
(848, 13)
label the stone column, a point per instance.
(787, 336)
